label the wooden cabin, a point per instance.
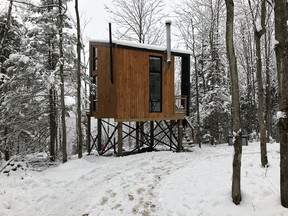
(135, 82)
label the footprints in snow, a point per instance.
(138, 188)
(140, 199)
(109, 195)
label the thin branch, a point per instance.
(36, 6)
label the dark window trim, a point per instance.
(156, 72)
(95, 96)
(94, 58)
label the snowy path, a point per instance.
(96, 186)
(149, 184)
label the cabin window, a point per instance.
(95, 95)
(94, 58)
(155, 84)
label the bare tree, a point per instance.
(139, 21)
(246, 54)
(186, 26)
(198, 137)
(79, 129)
(258, 33)
(281, 49)
(236, 178)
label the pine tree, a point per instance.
(211, 100)
(31, 83)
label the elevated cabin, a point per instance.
(135, 82)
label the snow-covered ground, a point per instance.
(157, 183)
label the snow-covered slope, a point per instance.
(157, 183)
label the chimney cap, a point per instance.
(168, 22)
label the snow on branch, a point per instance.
(236, 134)
(274, 42)
(3, 77)
(36, 6)
(281, 115)
(33, 5)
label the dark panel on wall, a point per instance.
(185, 80)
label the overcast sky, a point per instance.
(95, 16)
(94, 12)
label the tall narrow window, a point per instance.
(94, 58)
(155, 84)
(95, 95)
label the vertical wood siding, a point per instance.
(128, 98)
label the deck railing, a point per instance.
(180, 104)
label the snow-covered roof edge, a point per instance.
(141, 46)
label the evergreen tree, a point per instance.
(10, 38)
(31, 78)
(211, 100)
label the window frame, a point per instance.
(95, 99)
(155, 72)
(94, 58)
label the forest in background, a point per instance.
(238, 67)
(36, 58)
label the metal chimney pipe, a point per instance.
(111, 54)
(168, 40)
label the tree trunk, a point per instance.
(252, 79)
(268, 85)
(6, 147)
(262, 126)
(281, 49)
(61, 57)
(79, 129)
(198, 136)
(213, 126)
(52, 120)
(236, 177)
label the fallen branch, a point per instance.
(7, 163)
